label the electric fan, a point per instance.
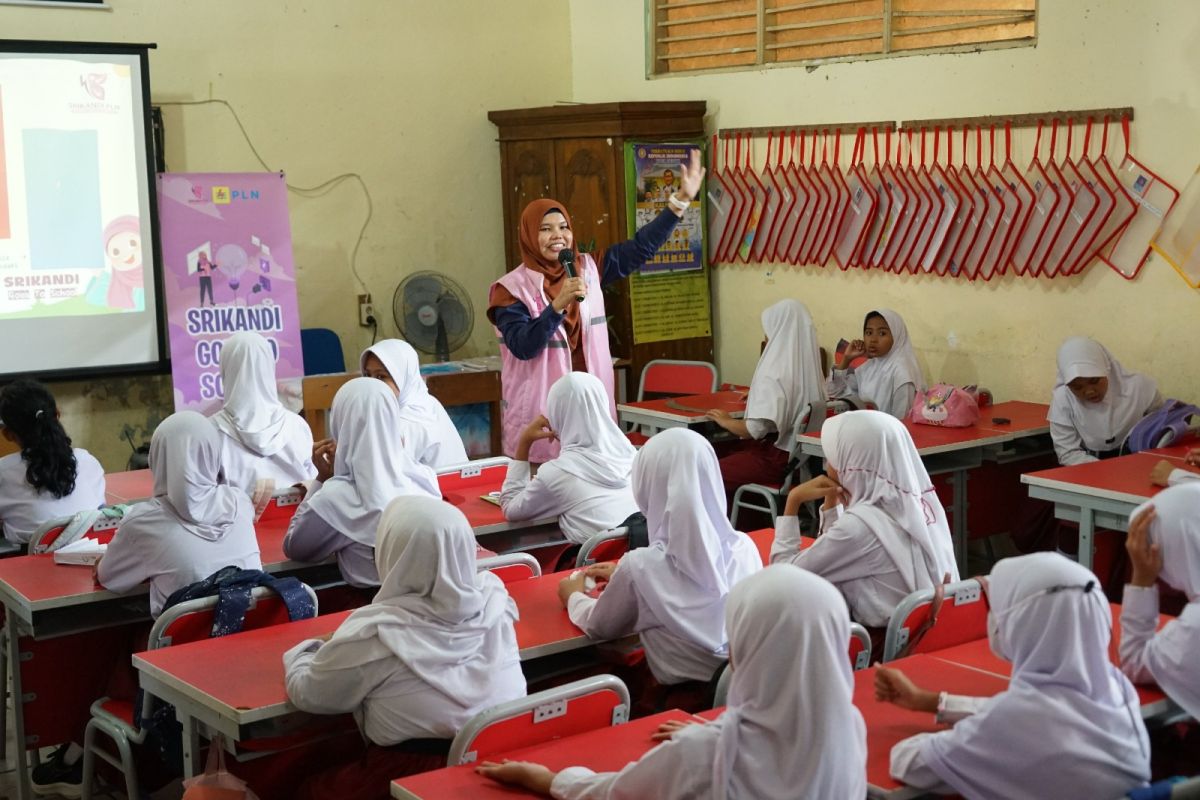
(433, 313)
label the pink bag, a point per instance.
(946, 406)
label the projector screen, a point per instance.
(79, 287)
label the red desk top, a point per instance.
(544, 627)
(733, 402)
(1125, 478)
(888, 724)
(464, 493)
(128, 487)
(1026, 418)
(604, 750)
(932, 439)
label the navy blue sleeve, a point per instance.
(524, 335)
(623, 258)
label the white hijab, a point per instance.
(788, 377)
(252, 413)
(1176, 530)
(1069, 718)
(593, 447)
(369, 471)
(695, 556)
(419, 410)
(447, 623)
(791, 728)
(189, 490)
(891, 493)
(879, 378)
(1104, 425)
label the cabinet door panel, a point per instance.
(530, 174)
(587, 184)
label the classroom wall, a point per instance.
(396, 91)
(1004, 333)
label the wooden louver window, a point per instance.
(700, 35)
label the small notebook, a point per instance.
(84, 551)
(491, 497)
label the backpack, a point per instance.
(232, 586)
(946, 406)
(1161, 428)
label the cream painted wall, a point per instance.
(395, 90)
(1090, 54)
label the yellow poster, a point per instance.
(670, 306)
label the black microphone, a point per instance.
(567, 259)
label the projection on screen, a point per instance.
(77, 287)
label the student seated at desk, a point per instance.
(1068, 726)
(425, 427)
(587, 485)
(1164, 543)
(435, 646)
(786, 382)
(1096, 402)
(672, 592)
(883, 530)
(193, 526)
(261, 441)
(891, 377)
(48, 478)
(341, 512)
(790, 730)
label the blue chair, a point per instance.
(322, 351)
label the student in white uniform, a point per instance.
(1068, 726)
(339, 516)
(673, 592)
(1164, 543)
(883, 530)
(891, 376)
(48, 478)
(434, 647)
(1096, 402)
(192, 527)
(261, 441)
(790, 729)
(425, 427)
(588, 485)
(786, 382)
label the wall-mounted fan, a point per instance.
(433, 313)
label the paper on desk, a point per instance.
(82, 551)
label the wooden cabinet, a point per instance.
(576, 154)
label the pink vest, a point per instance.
(526, 383)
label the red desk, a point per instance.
(1096, 494)
(653, 416)
(463, 488)
(888, 724)
(603, 750)
(1025, 418)
(128, 487)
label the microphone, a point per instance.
(567, 259)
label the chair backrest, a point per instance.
(665, 376)
(860, 647)
(192, 620)
(607, 545)
(283, 504)
(920, 625)
(322, 351)
(584, 705)
(511, 567)
(102, 529)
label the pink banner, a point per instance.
(227, 267)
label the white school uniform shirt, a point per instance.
(435, 646)
(588, 485)
(788, 377)
(890, 381)
(1069, 725)
(260, 439)
(425, 427)
(23, 509)
(340, 516)
(1078, 428)
(673, 592)
(790, 728)
(1168, 657)
(192, 527)
(892, 539)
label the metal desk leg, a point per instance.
(1087, 530)
(958, 480)
(24, 790)
(191, 742)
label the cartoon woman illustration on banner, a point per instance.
(123, 251)
(204, 269)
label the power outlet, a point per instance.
(366, 311)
